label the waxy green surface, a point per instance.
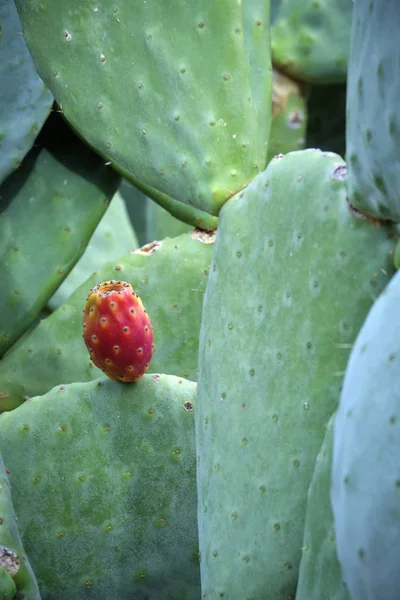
(293, 275)
(170, 278)
(104, 483)
(177, 95)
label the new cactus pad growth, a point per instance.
(117, 331)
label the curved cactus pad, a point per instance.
(294, 273)
(49, 209)
(13, 558)
(104, 482)
(176, 94)
(113, 236)
(310, 39)
(25, 101)
(170, 277)
(320, 575)
(366, 476)
(373, 110)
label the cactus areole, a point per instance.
(117, 331)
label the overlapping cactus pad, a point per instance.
(366, 478)
(16, 575)
(113, 237)
(176, 94)
(373, 113)
(104, 487)
(25, 101)
(294, 274)
(320, 575)
(48, 211)
(170, 276)
(310, 38)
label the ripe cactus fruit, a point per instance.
(366, 450)
(117, 331)
(53, 352)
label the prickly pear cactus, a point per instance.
(8, 589)
(281, 306)
(54, 352)
(49, 209)
(289, 116)
(14, 563)
(147, 59)
(372, 126)
(25, 101)
(320, 576)
(113, 237)
(117, 331)
(365, 480)
(104, 482)
(310, 39)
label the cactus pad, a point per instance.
(104, 483)
(176, 95)
(373, 110)
(320, 575)
(294, 273)
(25, 101)
(113, 237)
(54, 353)
(14, 563)
(49, 209)
(310, 39)
(366, 476)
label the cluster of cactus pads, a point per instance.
(199, 304)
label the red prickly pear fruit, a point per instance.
(117, 331)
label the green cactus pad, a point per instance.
(113, 237)
(24, 581)
(177, 95)
(8, 589)
(373, 110)
(320, 575)
(294, 273)
(366, 478)
(49, 209)
(25, 101)
(104, 483)
(170, 277)
(310, 39)
(289, 117)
